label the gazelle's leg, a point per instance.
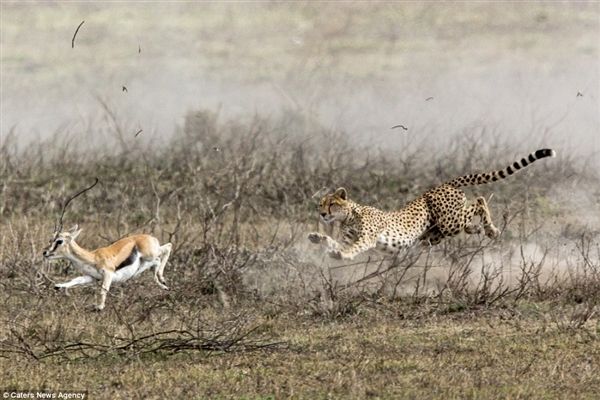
(106, 281)
(144, 266)
(165, 252)
(80, 280)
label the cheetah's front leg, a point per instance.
(338, 251)
(333, 246)
(349, 252)
(317, 238)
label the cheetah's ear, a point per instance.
(341, 193)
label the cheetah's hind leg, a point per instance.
(480, 208)
(432, 237)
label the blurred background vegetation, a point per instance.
(362, 68)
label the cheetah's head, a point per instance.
(334, 206)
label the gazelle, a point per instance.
(124, 259)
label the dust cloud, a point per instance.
(513, 70)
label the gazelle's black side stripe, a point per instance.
(133, 256)
(486, 177)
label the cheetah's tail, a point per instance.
(486, 177)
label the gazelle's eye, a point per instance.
(59, 242)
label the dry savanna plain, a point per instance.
(212, 126)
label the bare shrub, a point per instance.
(39, 341)
(235, 198)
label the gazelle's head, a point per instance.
(60, 244)
(335, 206)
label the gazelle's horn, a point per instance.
(58, 226)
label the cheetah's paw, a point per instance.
(492, 232)
(316, 237)
(335, 254)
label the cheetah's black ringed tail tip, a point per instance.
(493, 176)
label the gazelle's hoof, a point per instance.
(95, 308)
(161, 282)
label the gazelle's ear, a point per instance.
(341, 193)
(74, 231)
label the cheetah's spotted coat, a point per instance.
(438, 213)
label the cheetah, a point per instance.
(438, 213)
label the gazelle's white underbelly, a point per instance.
(127, 272)
(89, 270)
(131, 270)
(136, 267)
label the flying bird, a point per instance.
(399, 126)
(75, 34)
(429, 98)
(125, 89)
(579, 94)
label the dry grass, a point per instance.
(489, 355)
